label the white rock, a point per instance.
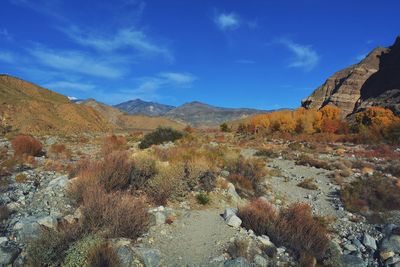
(234, 221)
(48, 221)
(229, 212)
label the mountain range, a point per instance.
(194, 113)
(374, 81)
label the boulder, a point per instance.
(239, 262)
(260, 261)
(369, 242)
(48, 221)
(229, 212)
(391, 244)
(234, 221)
(149, 257)
(353, 261)
(8, 253)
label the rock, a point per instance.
(8, 253)
(265, 241)
(229, 212)
(158, 218)
(239, 262)
(260, 261)
(391, 244)
(149, 257)
(350, 247)
(353, 261)
(233, 194)
(386, 255)
(369, 242)
(224, 173)
(392, 260)
(27, 228)
(234, 221)
(60, 182)
(124, 249)
(48, 221)
(363, 84)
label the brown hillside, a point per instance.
(29, 108)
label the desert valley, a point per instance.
(140, 183)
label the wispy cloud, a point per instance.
(5, 35)
(7, 57)
(305, 57)
(122, 39)
(148, 86)
(77, 61)
(66, 85)
(227, 21)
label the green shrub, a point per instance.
(159, 136)
(202, 198)
(224, 128)
(49, 249)
(78, 253)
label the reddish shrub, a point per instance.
(259, 216)
(114, 214)
(298, 229)
(103, 255)
(113, 143)
(26, 145)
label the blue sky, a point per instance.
(233, 53)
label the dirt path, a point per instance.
(324, 200)
(193, 240)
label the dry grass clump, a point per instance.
(259, 215)
(294, 227)
(113, 143)
(377, 192)
(59, 151)
(49, 249)
(243, 247)
(114, 214)
(103, 256)
(393, 168)
(308, 183)
(382, 151)
(308, 160)
(246, 174)
(268, 153)
(26, 145)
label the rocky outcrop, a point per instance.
(374, 81)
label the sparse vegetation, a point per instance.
(294, 226)
(26, 145)
(202, 198)
(377, 193)
(159, 136)
(4, 212)
(308, 183)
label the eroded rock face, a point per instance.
(375, 81)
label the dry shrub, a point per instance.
(299, 230)
(252, 170)
(393, 168)
(114, 214)
(20, 178)
(293, 227)
(144, 168)
(26, 145)
(382, 151)
(103, 256)
(116, 171)
(259, 215)
(49, 249)
(377, 192)
(59, 151)
(243, 247)
(167, 184)
(308, 160)
(336, 177)
(308, 183)
(4, 212)
(113, 143)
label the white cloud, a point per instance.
(7, 57)
(123, 38)
(66, 85)
(77, 62)
(178, 78)
(304, 55)
(227, 21)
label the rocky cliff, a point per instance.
(374, 81)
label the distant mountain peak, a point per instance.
(140, 107)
